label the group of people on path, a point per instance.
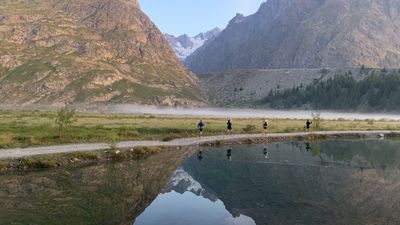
(229, 126)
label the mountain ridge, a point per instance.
(306, 34)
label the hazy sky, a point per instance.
(195, 16)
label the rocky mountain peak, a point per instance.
(237, 19)
(212, 33)
(306, 34)
(184, 45)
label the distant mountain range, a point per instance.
(184, 45)
(306, 34)
(88, 51)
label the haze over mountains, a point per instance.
(184, 45)
(91, 51)
(306, 34)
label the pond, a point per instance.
(321, 182)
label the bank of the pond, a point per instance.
(65, 155)
(80, 158)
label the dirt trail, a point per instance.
(57, 149)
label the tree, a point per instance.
(65, 118)
(316, 120)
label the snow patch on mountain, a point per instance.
(180, 176)
(184, 46)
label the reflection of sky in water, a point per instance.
(188, 209)
(311, 183)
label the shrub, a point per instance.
(316, 120)
(112, 141)
(65, 118)
(43, 163)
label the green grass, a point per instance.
(23, 129)
(28, 70)
(76, 158)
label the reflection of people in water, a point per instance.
(229, 154)
(315, 148)
(200, 156)
(265, 151)
(308, 146)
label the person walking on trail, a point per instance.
(201, 126)
(229, 126)
(308, 125)
(265, 126)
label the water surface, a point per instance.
(327, 182)
(323, 182)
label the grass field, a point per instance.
(23, 129)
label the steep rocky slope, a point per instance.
(307, 34)
(245, 88)
(92, 51)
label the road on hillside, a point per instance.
(58, 149)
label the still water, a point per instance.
(326, 182)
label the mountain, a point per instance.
(306, 34)
(249, 88)
(88, 51)
(184, 45)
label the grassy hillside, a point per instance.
(54, 51)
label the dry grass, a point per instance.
(38, 128)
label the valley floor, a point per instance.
(22, 129)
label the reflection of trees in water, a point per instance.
(382, 154)
(113, 193)
(303, 191)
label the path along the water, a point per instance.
(58, 149)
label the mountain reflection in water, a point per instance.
(111, 193)
(327, 182)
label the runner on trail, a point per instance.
(229, 126)
(308, 125)
(201, 126)
(265, 126)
